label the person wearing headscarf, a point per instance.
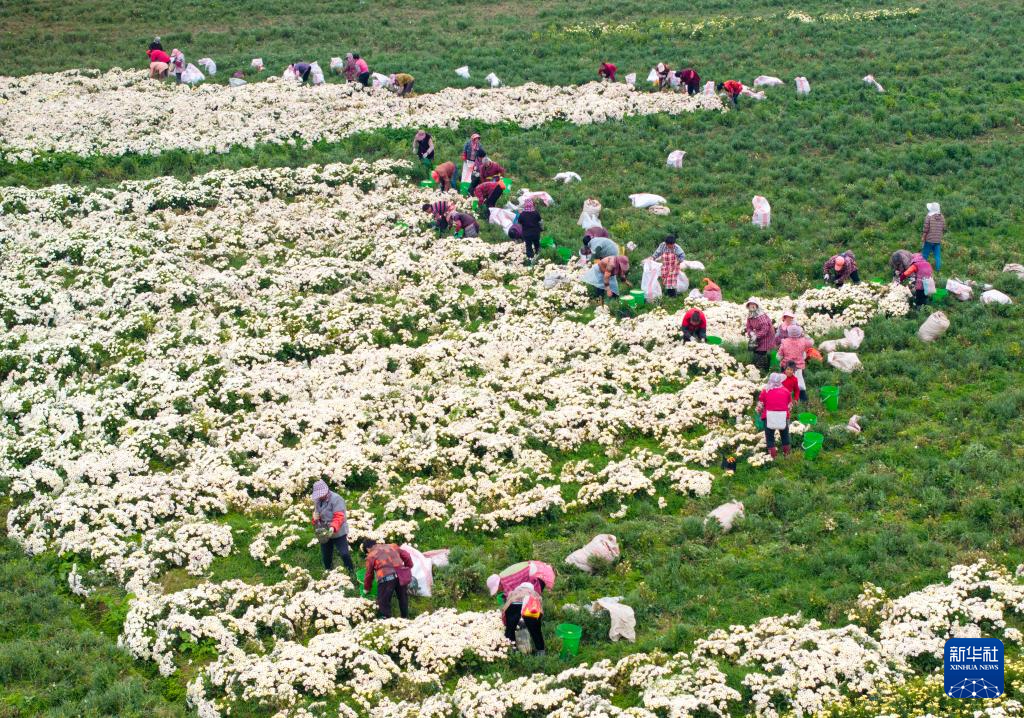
(490, 168)
(443, 175)
(773, 405)
(351, 69)
(920, 270)
(712, 292)
(532, 224)
(177, 64)
(839, 268)
(521, 600)
(788, 319)
(473, 154)
(760, 333)
(596, 231)
(695, 326)
(423, 147)
(670, 255)
(663, 71)
(931, 235)
(899, 262)
(596, 248)
(439, 210)
(465, 223)
(794, 349)
(605, 275)
(330, 521)
(607, 71)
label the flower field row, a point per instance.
(84, 112)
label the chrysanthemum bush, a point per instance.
(85, 112)
(172, 350)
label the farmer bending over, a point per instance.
(391, 567)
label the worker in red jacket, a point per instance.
(487, 195)
(490, 168)
(159, 62)
(391, 568)
(607, 71)
(733, 88)
(691, 79)
(695, 326)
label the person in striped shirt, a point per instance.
(931, 236)
(439, 210)
(760, 333)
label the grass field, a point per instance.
(936, 477)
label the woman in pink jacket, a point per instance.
(774, 405)
(794, 349)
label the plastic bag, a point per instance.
(767, 81)
(844, 361)
(257, 64)
(712, 292)
(852, 338)
(762, 216)
(631, 79)
(289, 74)
(337, 65)
(1015, 268)
(567, 177)
(853, 425)
(659, 209)
(692, 264)
(726, 515)
(803, 87)
(502, 217)
(589, 215)
(870, 80)
(994, 296)
(652, 76)
(747, 92)
(962, 291)
(934, 327)
(675, 159)
(830, 346)
(928, 285)
(236, 82)
(316, 73)
(649, 282)
(554, 277)
(462, 71)
(191, 75)
(682, 281)
(438, 557)
(709, 88)
(644, 200)
(673, 80)
(623, 617)
(422, 571)
(209, 64)
(380, 80)
(493, 80)
(604, 547)
(537, 195)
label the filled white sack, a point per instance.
(726, 515)
(623, 617)
(567, 177)
(844, 361)
(604, 547)
(675, 159)
(643, 200)
(462, 71)
(934, 327)
(994, 296)
(767, 81)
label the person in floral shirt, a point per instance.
(760, 333)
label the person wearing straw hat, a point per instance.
(330, 522)
(760, 333)
(695, 326)
(931, 235)
(839, 268)
(525, 603)
(774, 404)
(793, 348)
(532, 224)
(670, 255)
(663, 71)
(443, 175)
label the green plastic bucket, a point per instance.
(638, 295)
(547, 242)
(759, 422)
(570, 634)
(830, 397)
(508, 185)
(940, 296)
(712, 339)
(428, 184)
(629, 300)
(808, 418)
(360, 577)
(500, 598)
(464, 189)
(812, 444)
(564, 253)
(773, 358)
(878, 280)
(476, 205)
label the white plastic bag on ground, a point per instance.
(462, 71)
(623, 617)
(289, 74)
(493, 80)
(709, 88)
(649, 282)
(870, 80)
(762, 216)
(603, 547)
(631, 79)
(652, 76)
(830, 346)
(659, 209)
(422, 570)
(567, 177)
(844, 361)
(934, 327)
(673, 80)
(379, 80)
(852, 339)
(726, 515)
(853, 425)
(644, 200)
(692, 264)
(502, 217)
(209, 64)
(589, 215)
(236, 82)
(191, 75)
(337, 65)
(994, 296)
(675, 158)
(767, 81)
(316, 73)
(747, 92)
(682, 281)
(438, 557)
(554, 277)
(961, 290)
(695, 294)
(1015, 268)
(537, 196)
(257, 64)
(803, 87)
